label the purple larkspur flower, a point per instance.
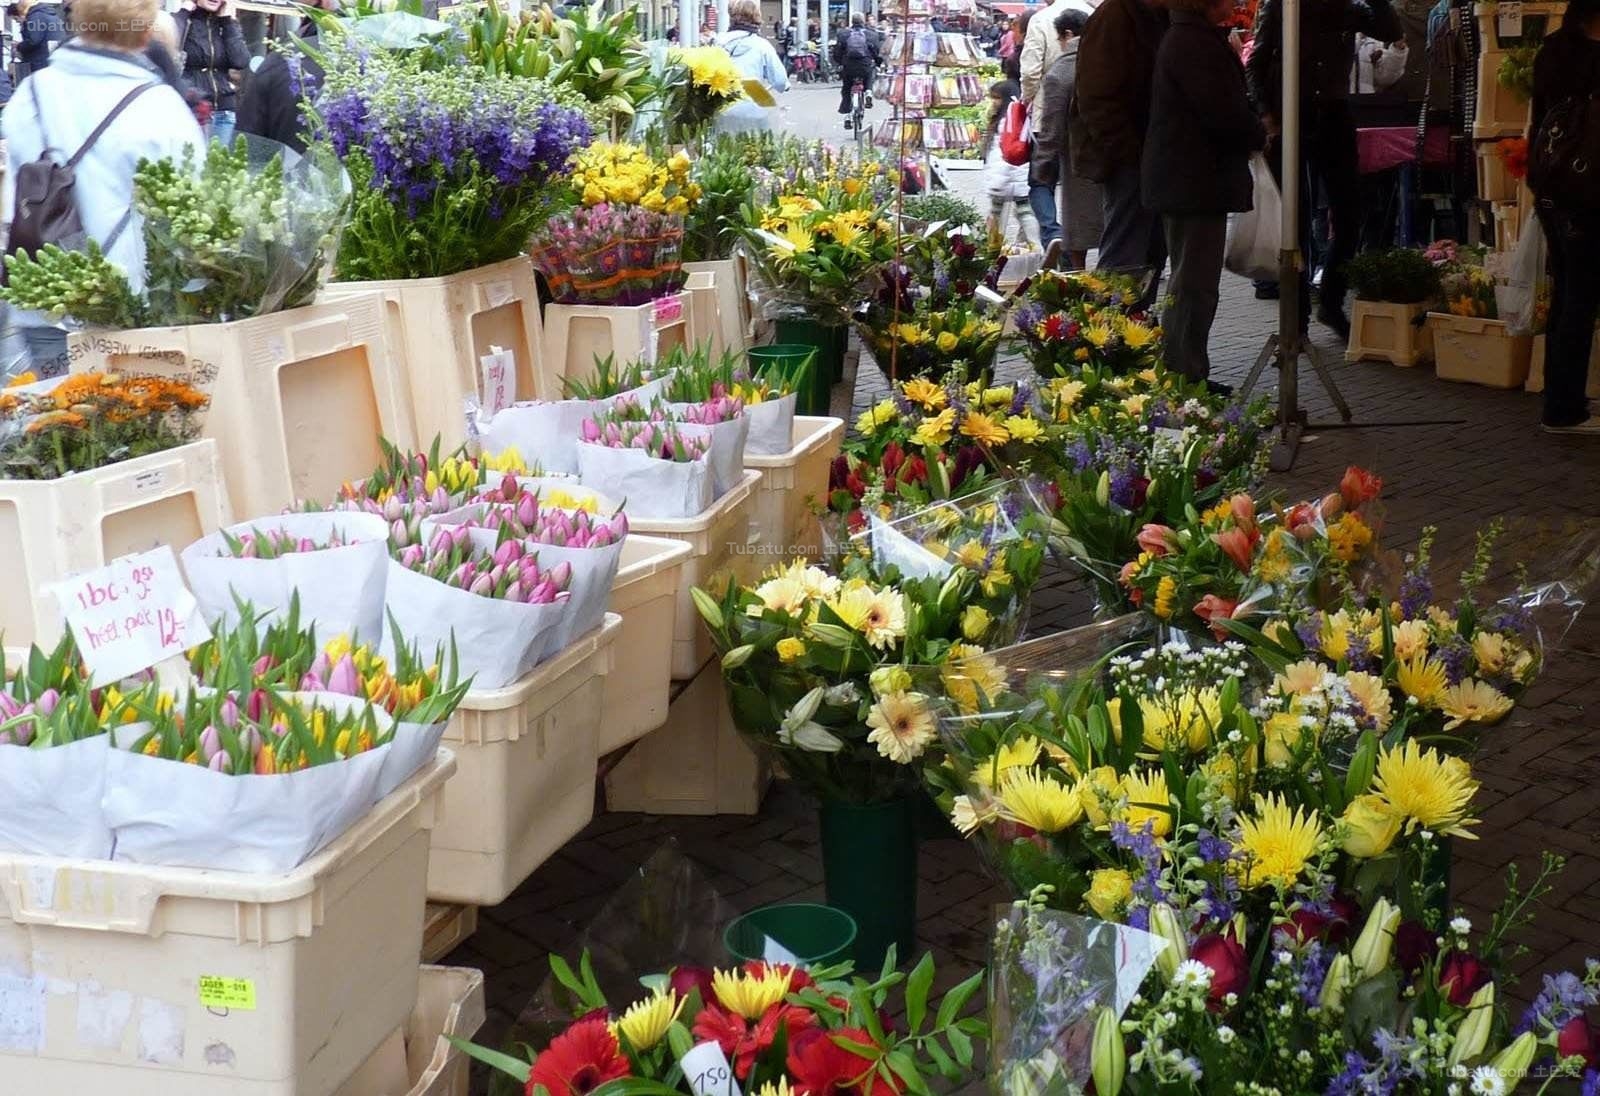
(1416, 592)
(1562, 997)
(1591, 1083)
(1081, 455)
(1455, 656)
(1314, 963)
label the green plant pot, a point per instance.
(932, 823)
(869, 870)
(790, 357)
(827, 339)
(805, 932)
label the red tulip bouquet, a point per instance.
(762, 1028)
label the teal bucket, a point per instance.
(793, 932)
(828, 366)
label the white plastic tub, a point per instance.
(527, 756)
(645, 596)
(417, 1060)
(721, 542)
(150, 981)
(783, 524)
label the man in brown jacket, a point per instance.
(1116, 65)
(1079, 198)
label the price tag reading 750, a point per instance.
(131, 614)
(708, 1072)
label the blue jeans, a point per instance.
(222, 123)
(47, 350)
(1043, 200)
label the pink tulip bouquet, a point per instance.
(659, 440)
(549, 526)
(510, 573)
(274, 543)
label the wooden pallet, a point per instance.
(445, 928)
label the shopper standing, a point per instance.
(756, 59)
(1566, 99)
(1327, 33)
(213, 49)
(100, 77)
(1074, 201)
(1116, 64)
(1040, 48)
(1196, 168)
(44, 27)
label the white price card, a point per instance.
(1508, 18)
(131, 614)
(499, 380)
(707, 1070)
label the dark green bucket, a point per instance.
(828, 339)
(791, 358)
(869, 870)
(802, 932)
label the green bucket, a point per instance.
(829, 341)
(800, 360)
(797, 932)
(869, 870)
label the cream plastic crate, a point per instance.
(696, 763)
(1507, 225)
(1479, 351)
(1495, 183)
(721, 543)
(645, 595)
(1488, 16)
(782, 520)
(527, 756)
(1380, 331)
(1535, 381)
(299, 399)
(101, 964)
(445, 928)
(417, 1060)
(50, 529)
(442, 328)
(1501, 112)
(576, 334)
(705, 322)
(733, 305)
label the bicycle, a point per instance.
(858, 113)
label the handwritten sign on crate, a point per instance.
(131, 614)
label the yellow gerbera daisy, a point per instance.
(1372, 694)
(1473, 701)
(1020, 754)
(879, 615)
(1038, 801)
(902, 726)
(1278, 841)
(983, 429)
(935, 430)
(925, 393)
(1423, 679)
(1426, 789)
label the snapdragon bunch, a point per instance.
(658, 439)
(509, 573)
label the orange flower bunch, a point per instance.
(1514, 151)
(92, 419)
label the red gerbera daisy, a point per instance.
(821, 1067)
(579, 1060)
(743, 1042)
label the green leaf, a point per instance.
(513, 1067)
(956, 1000)
(918, 983)
(960, 1045)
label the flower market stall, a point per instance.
(435, 494)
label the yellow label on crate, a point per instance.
(232, 993)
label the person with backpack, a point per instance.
(756, 59)
(1006, 183)
(212, 44)
(856, 53)
(1565, 143)
(75, 133)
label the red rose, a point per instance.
(1577, 1038)
(579, 1060)
(1141, 492)
(685, 980)
(1213, 609)
(1414, 945)
(1358, 486)
(1230, 966)
(1461, 975)
(1156, 539)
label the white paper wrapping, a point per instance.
(725, 451)
(50, 800)
(497, 642)
(545, 434)
(649, 488)
(413, 745)
(186, 816)
(341, 589)
(771, 427)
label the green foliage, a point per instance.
(726, 184)
(1399, 275)
(943, 207)
(82, 284)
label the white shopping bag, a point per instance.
(771, 427)
(341, 589)
(186, 816)
(50, 799)
(1516, 300)
(1255, 237)
(497, 642)
(648, 487)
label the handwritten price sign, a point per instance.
(499, 380)
(131, 614)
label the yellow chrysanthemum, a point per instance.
(1166, 597)
(1335, 635)
(1097, 335)
(646, 1022)
(937, 429)
(1372, 694)
(1426, 789)
(1278, 842)
(1349, 537)
(770, 1089)
(1473, 701)
(1038, 802)
(1099, 791)
(983, 429)
(925, 393)
(1149, 802)
(902, 726)
(1023, 429)
(1137, 335)
(992, 771)
(1422, 679)
(998, 397)
(751, 995)
(797, 237)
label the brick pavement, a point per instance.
(1537, 769)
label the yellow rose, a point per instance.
(947, 341)
(1370, 826)
(1285, 737)
(790, 649)
(889, 679)
(1110, 891)
(975, 622)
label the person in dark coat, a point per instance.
(1328, 31)
(1196, 168)
(44, 27)
(1116, 63)
(272, 100)
(212, 44)
(1566, 71)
